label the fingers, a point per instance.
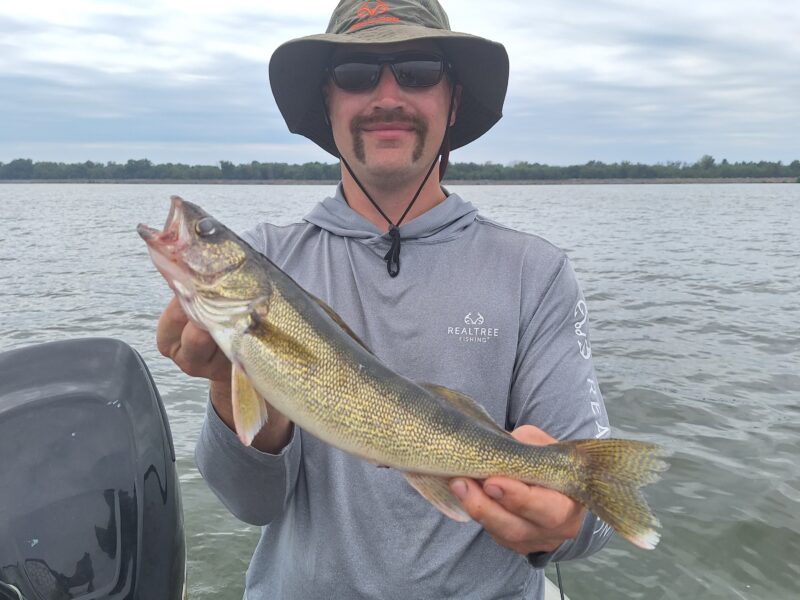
(191, 348)
(197, 347)
(525, 518)
(170, 328)
(507, 529)
(544, 508)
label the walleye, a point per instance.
(292, 350)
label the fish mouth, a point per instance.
(167, 246)
(174, 229)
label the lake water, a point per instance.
(694, 296)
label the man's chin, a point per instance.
(383, 159)
(383, 164)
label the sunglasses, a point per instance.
(360, 73)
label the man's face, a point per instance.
(388, 133)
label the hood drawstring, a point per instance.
(392, 257)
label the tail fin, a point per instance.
(613, 472)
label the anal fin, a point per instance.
(435, 489)
(249, 408)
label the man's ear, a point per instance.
(456, 103)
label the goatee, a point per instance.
(387, 116)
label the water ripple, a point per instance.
(693, 293)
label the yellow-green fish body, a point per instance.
(301, 358)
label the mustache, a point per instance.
(395, 115)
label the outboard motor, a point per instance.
(90, 505)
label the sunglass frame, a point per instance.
(393, 60)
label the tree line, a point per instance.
(705, 168)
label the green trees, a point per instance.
(21, 168)
(138, 169)
(143, 169)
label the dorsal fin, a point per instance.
(463, 403)
(340, 322)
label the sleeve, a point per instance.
(254, 486)
(554, 387)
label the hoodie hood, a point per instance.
(446, 220)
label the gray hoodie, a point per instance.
(477, 307)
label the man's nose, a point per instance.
(387, 87)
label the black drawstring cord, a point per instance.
(392, 257)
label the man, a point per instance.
(466, 303)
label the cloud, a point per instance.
(607, 80)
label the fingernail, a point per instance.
(493, 491)
(459, 488)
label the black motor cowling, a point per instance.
(90, 503)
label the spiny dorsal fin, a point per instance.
(340, 322)
(463, 403)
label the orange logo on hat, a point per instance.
(364, 11)
(369, 16)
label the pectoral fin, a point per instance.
(278, 335)
(249, 408)
(435, 489)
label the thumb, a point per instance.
(528, 434)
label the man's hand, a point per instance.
(521, 517)
(189, 347)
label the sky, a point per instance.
(610, 80)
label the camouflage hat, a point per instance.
(297, 68)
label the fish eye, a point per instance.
(205, 227)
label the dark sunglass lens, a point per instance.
(355, 76)
(418, 73)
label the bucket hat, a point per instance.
(297, 69)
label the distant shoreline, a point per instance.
(677, 180)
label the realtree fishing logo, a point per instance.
(582, 314)
(474, 332)
(371, 16)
